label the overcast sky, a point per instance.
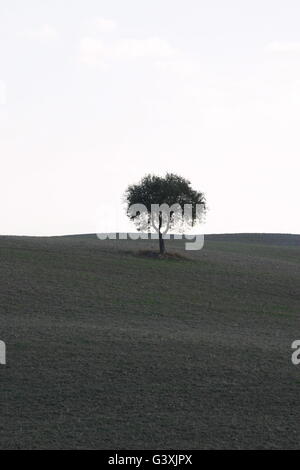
(94, 94)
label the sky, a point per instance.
(95, 94)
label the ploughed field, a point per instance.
(108, 348)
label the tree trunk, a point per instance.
(161, 244)
(161, 240)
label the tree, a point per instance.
(157, 201)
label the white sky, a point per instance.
(94, 94)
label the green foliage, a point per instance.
(171, 189)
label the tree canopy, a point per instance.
(156, 194)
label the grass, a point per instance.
(108, 347)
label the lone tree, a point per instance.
(164, 203)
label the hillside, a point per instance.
(110, 349)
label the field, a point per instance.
(108, 349)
